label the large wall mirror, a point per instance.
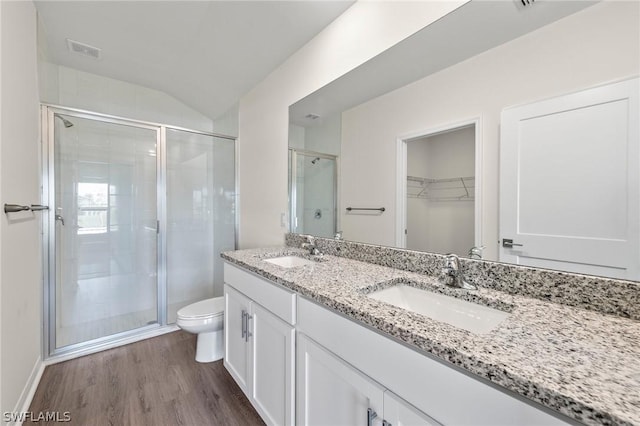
(418, 140)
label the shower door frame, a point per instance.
(50, 351)
(293, 184)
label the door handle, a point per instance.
(248, 333)
(508, 243)
(371, 414)
(60, 218)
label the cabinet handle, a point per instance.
(244, 324)
(370, 416)
(247, 332)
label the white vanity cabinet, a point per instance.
(332, 392)
(302, 363)
(398, 412)
(412, 383)
(260, 343)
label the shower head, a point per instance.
(315, 160)
(66, 122)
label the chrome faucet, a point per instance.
(475, 252)
(452, 273)
(311, 246)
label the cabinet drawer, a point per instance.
(279, 301)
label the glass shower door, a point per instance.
(105, 183)
(313, 189)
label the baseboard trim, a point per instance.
(22, 406)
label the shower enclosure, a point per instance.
(313, 192)
(139, 213)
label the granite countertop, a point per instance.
(581, 363)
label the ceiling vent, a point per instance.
(83, 49)
(312, 116)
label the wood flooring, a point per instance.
(152, 382)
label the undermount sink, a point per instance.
(290, 261)
(459, 313)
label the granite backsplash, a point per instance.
(604, 295)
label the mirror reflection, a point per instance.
(463, 134)
(440, 192)
(313, 181)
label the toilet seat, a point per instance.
(202, 310)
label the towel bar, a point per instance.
(13, 208)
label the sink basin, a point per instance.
(459, 313)
(289, 261)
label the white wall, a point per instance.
(597, 45)
(325, 136)
(363, 31)
(227, 123)
(78, 89)
(296, 136)
(20, 265)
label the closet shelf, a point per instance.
(449, 189)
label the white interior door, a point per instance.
(569, 182)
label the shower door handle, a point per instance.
(60, 218)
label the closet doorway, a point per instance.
(139, 213)
(438, 187)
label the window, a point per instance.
(93, 203)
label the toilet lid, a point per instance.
(203, 308)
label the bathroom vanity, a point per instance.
(309, 342)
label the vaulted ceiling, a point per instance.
(207, 54)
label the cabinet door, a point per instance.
(398, 412)
(272, 349)
(331, 392)
(236, 352)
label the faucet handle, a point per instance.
(452, 263)
(476, 251)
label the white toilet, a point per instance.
(206, 319)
